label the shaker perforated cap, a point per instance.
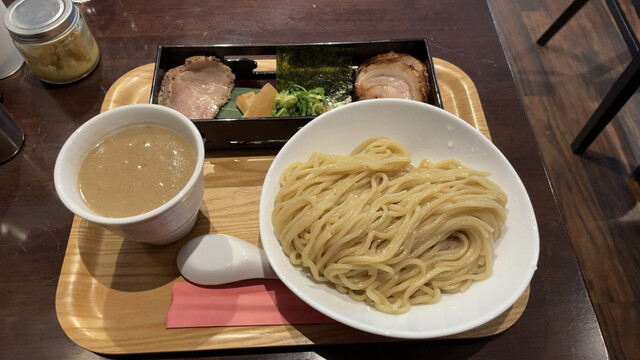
(31, 21)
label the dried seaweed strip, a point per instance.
(328, 67)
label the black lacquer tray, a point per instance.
(254, 66)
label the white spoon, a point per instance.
(216, 259)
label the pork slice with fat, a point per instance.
(388, 78)
(199, 88)
(392, 89)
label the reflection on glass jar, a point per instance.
(56, 44)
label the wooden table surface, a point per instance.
(558, 322)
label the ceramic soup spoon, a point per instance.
(215, 259)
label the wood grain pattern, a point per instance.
(113, 295)
(561, 84)
(459, 95)
(134, 87)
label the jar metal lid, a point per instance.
(33, 21)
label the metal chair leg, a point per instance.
(560, 21)
(622, 90)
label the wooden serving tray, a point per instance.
(113, 295)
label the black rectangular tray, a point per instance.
(220, 134)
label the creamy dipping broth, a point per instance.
(135, 170)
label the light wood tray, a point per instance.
(113, 295)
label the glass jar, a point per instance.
(53, 38)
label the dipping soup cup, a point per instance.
(163, 225)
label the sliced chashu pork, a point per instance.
(392, 75)
(199, 88)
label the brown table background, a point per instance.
(559, 321)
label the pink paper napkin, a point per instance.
(244, 303)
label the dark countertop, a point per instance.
(558, 322)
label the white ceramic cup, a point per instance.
(10, 58)
(162, 225)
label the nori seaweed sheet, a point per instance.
(312, 66)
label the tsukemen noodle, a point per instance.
(384, 231)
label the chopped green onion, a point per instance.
(297, 101)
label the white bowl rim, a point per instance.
(79, 132)
(407, 334)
